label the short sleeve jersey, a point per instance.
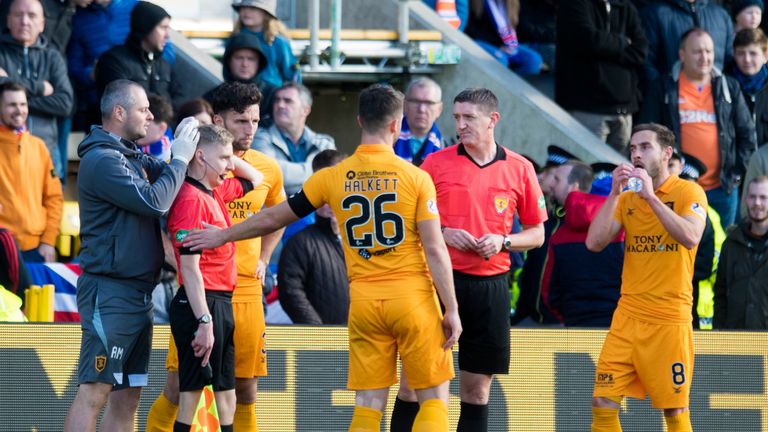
(484, 200)
(270, 192)
(656, 284)
(193, 206)
(377, 198)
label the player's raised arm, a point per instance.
(257, 225)
(605, 227)
(440, 266)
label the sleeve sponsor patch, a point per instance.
(542, 202)
(699, 210)
(432, 206)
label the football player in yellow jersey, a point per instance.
(236, 108)
(649, 347)
(392, 243)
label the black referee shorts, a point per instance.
(484, 312)
(184, 325)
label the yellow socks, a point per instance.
(605, 420)
(162, 415)
(245, 418)
(679, 423)
(365, 420)
(432, 417)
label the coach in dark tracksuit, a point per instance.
(122, 193)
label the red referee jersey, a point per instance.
(194, 205)
(483, 200)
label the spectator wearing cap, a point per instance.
(27, 58)
(749, 69)
(741, 300)
(140, 58)
(705, 263)
(747, 14)
(710, 118)
(601, 51)
(259, 18)
(554, 183)
(419, 135)
(582, 287)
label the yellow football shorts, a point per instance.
(640, 358)
(412, 326)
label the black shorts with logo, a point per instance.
(116, 323)
(484, 312)
(184, 324)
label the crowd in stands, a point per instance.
(695, 66)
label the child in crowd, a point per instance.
(260, 18)
(747, 14)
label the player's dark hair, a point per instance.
(379, 104)
(482, 97)
(664, 136)
(326, 158)
(235, 96)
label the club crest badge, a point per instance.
(101, 363)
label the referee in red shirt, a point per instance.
(480, 187)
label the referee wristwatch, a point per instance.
(205, 319)
(507, 243)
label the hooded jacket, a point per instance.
(600, 57)
(250, 41)
(666, 20)
(122, 193)
(581, 286)
(735, 128)
(741, 291)
(30, 67)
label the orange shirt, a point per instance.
(656, 279)
(698, 129)
(378, 198)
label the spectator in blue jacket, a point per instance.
(96, 28)
(665, 21)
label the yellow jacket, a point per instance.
(30, 193)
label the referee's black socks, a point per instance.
(473, 418)
(403, 415)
